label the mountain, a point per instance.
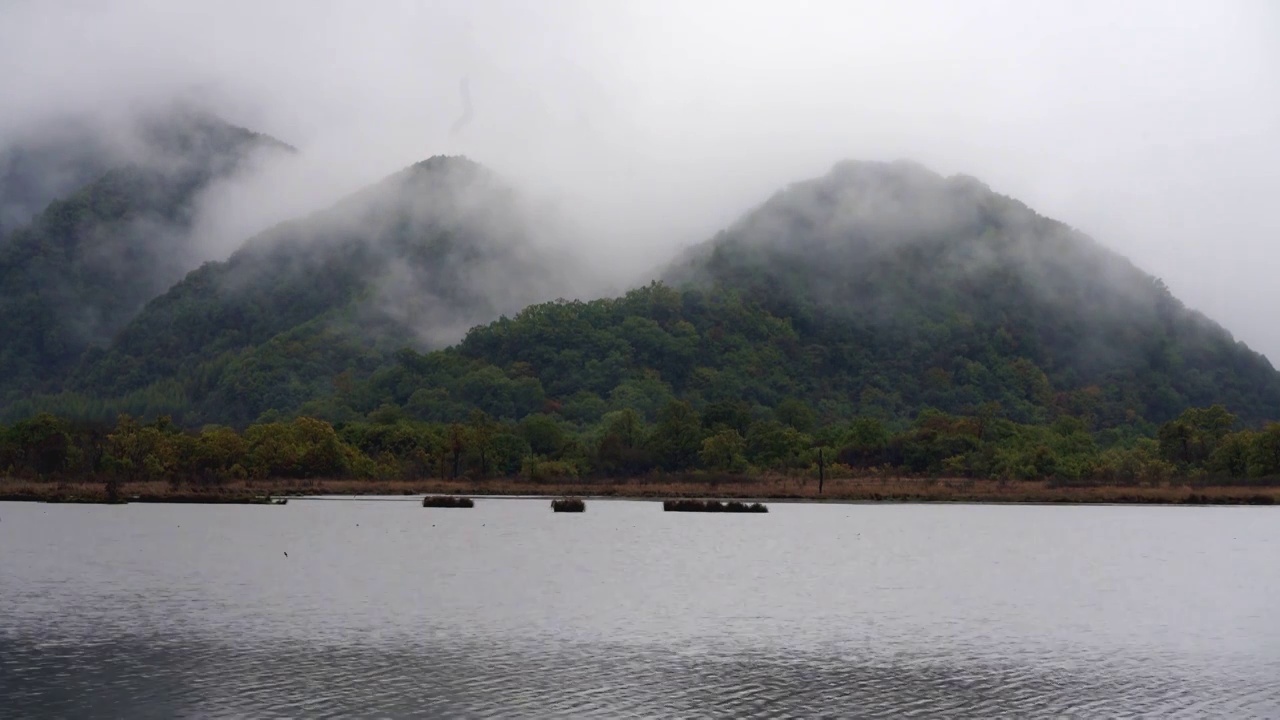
(879, 290)
(38, 167)
(89, 260)
(415, 260)
(58, 156)
(916, 281)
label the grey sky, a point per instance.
(1153, 126)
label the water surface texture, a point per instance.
(387, 609)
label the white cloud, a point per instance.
(1154, 126)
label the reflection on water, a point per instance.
(392, 610)
(154, 677)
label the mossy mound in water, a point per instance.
(447, 501)
(568, 505)
(732, 506)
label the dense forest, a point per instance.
(726, 439)
(879, 319)
(38, 167)
(84, 266)
(414, 260)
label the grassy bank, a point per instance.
(141, 492)
(761, 488)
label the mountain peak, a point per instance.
(97, 217)
(447, 163)
(900, 254)
(416, 259)
(56, 157)
(851, 168)
(904, 175)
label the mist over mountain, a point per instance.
(954, 279)
(43, 166)
(90, 258)
(827, 251)
(413, 261)
(878, 289)
(53, 157)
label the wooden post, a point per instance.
(822, 475)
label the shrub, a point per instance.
(712, 506)
(447, 501)
(568, 505)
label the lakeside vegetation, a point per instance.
(720, 452)
(772, 488)
(940, 294)
(881, 332)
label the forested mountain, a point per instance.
(882, 317)
(89, 260)
(922, 289)
(38, 166)
(414, 260)
(55, 158)
(878, 292)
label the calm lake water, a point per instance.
(387, 609)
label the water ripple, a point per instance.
(455, 677)
(507, 611)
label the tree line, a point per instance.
(724, 438)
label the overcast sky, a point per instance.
(1153, 126)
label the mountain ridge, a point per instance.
(879, 289)
(81, 268)
(423, 254)
(1064, 299)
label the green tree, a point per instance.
(39, 446)
(623, 445)
(508, 453)
(795, 413)
(770, 444)
(544, 434)
(481, 430)
(1264, 452)
(1192, 438)
(217, 450)
(866, 444)
(727, 415)
(677, 436)
(1231, 457)
(145, 452)
(724, 451)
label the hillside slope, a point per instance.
(38, 166)
(415, 260)
(878, 291)
(923, 281)
(88, 261)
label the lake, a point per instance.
(382, 608)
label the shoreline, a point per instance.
(770, 489)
